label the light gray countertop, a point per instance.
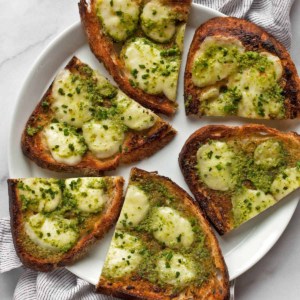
(26, 29)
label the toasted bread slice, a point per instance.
(84, 124)
(235, 173)
(54, 222)
(163, 247)
(150, 33)
(236, 68)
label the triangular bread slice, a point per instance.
(235, 68)
(163, 247)
(150, 36)
(84, 124)
(55, 221)
(235, 173)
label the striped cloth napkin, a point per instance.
(273, 15)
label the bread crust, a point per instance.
(253, 38)
(137, 145)
(217, 206)
(137, 288)
(103, 48)
(107, 219)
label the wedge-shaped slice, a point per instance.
(163, 247)
(235, 173)
(55, 221)
(236, 68)
(150, 35)
(84, 124)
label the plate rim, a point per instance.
(25, 85)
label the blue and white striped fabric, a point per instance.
(59, 284)
(273, 15)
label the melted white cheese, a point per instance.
(277, 66)
(68, 105)
(139, 53)
(170, 228)
(249, 203)
(176, 271)
(215, 161)
(50, 233)
(268, 154)
(104, 138)
(135, 208)
(88, 193)
(134, 115)
(41, 194)
(123, 255)
(65, 146)
(285, 183)
(158, 21)
(219, 67)
(210, 93)
(180, 36)
(254, 83)
(119, 17)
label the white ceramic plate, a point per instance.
(241, 248)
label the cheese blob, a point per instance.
(70, 104)
(104, 137)
(257, 88)
(209, 68)
(149, 69)
(180, 36)
(215, 165)
(170, 228)
(135, 209)
(88, 193)
(175, 269)
(40, 195)
(119, 18)
(123, 255)
(268, 154)
(285, 183)
(248, 203)
(56, 233)
(64, 143)
(158, 21)
(133, 115)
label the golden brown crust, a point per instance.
(103, 48)
(214, 289)
(217, 206)
(107, 219)
(253, 38)
(137, 145)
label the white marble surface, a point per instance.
(26, 27)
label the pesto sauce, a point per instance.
(247, 170)
(125, 18)
(31, 131)
(81, 222)
(248, 174)
(159, 196)
(96, 100)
